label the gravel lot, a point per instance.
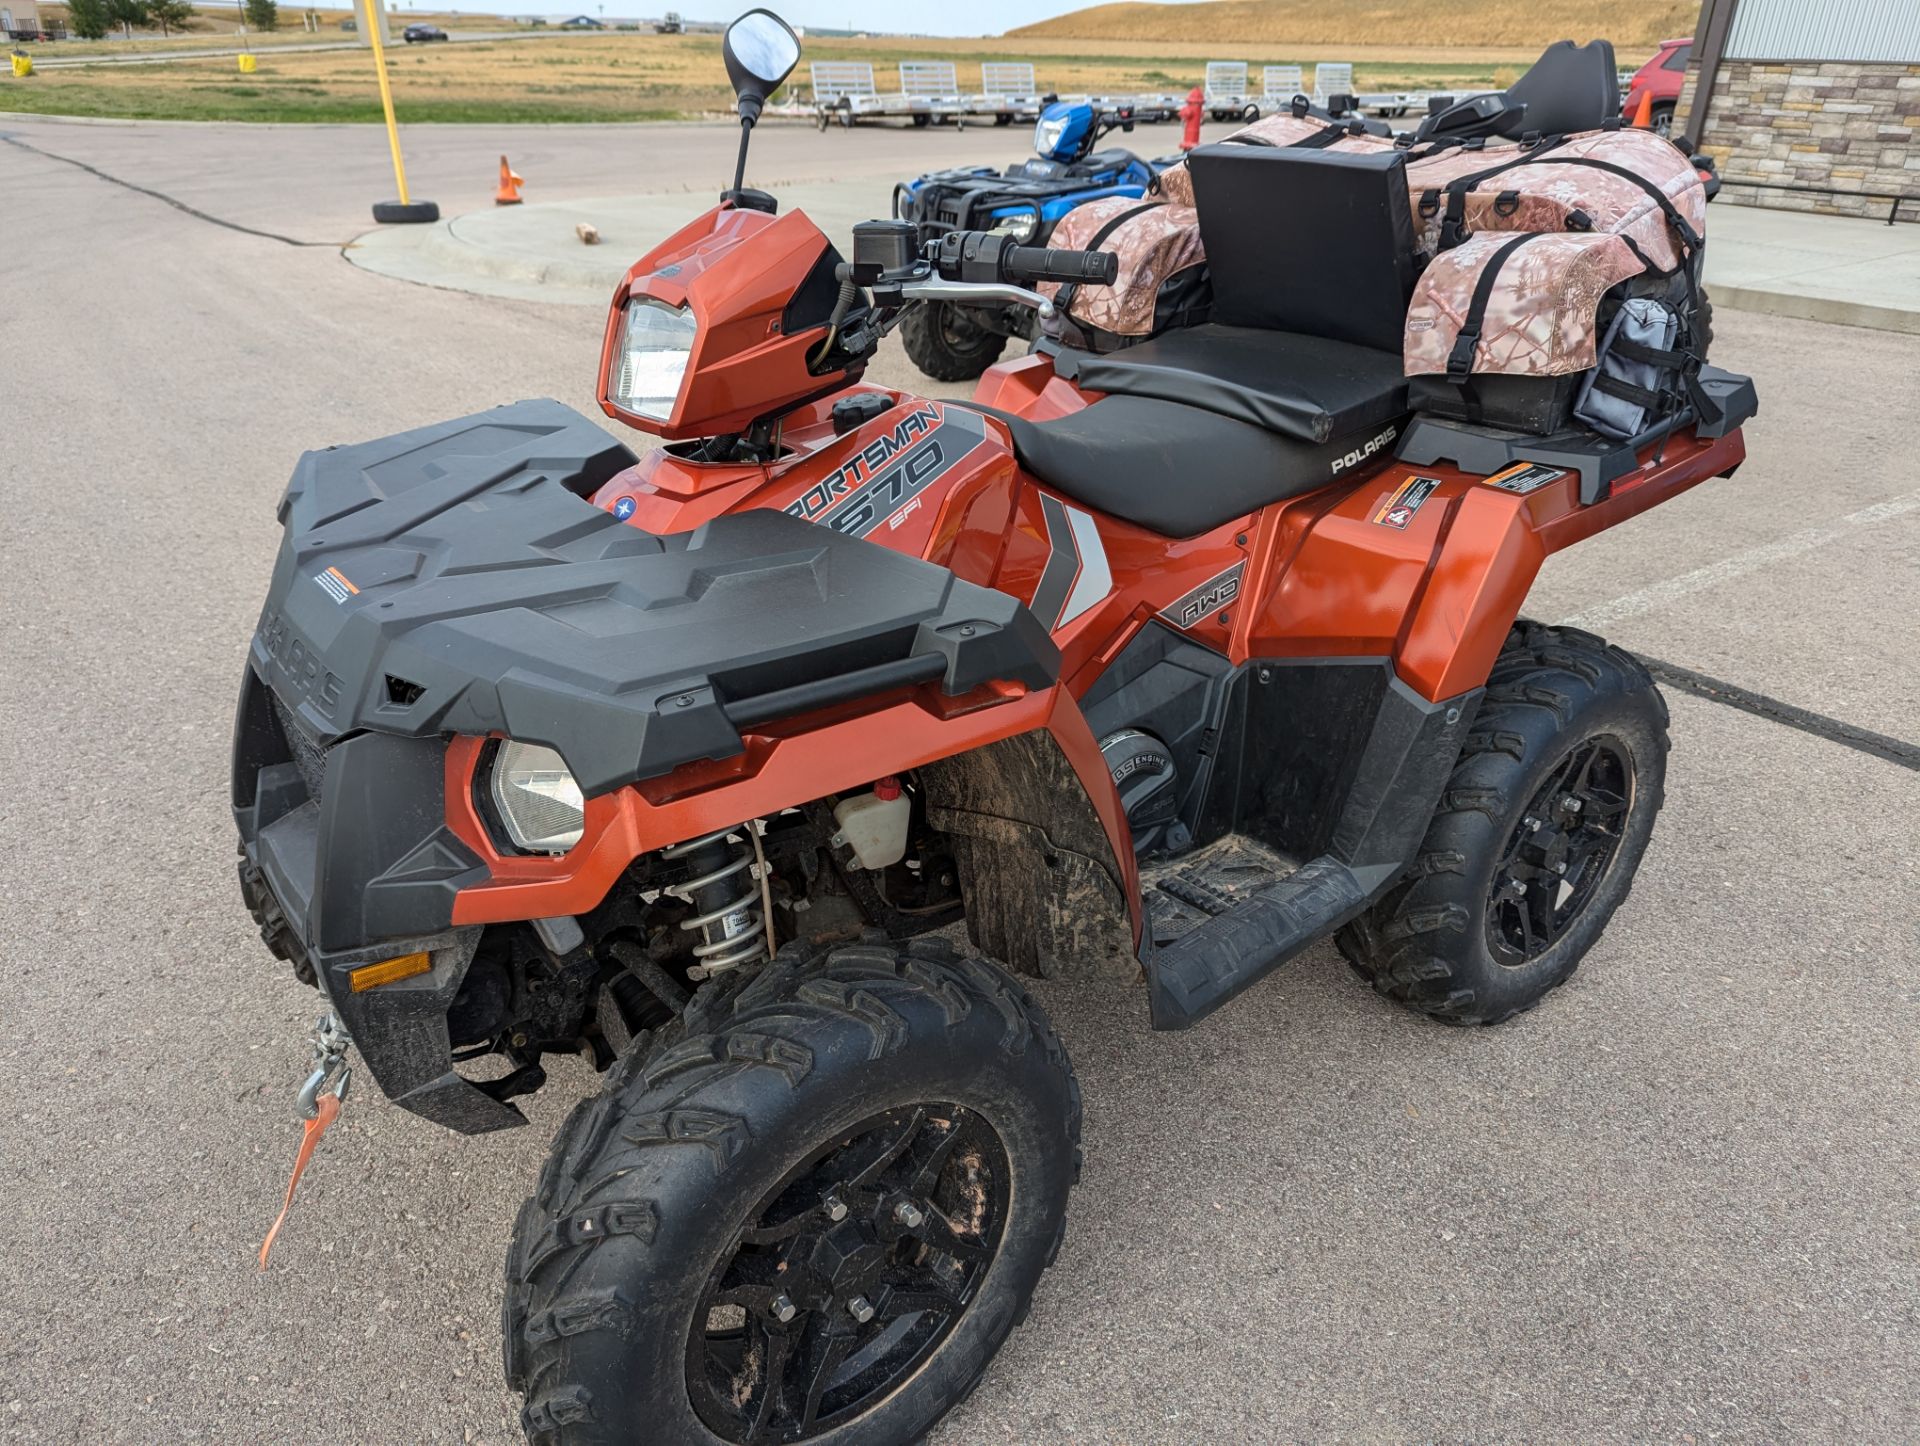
(1675, 1202)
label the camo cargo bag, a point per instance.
(1628, 183)
(1162, 281)
(1287, 128)
(1503, 328)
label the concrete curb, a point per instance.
(1814, 308)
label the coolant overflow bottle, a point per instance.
(874, 825)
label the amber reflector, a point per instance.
(372, 976)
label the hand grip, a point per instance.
(1024, 265)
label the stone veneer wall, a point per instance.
(1852, 125)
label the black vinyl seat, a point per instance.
(1311, 254)
(1172, 469)
(1306, 387)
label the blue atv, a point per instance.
(955, 342)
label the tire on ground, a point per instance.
(649, 1183)
(1426, 943)
(946, 345)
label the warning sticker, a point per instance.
(334, 584)
(1397, 511)
(1527, 477)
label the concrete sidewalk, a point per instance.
(1784, 263)
(1842, 269)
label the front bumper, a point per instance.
(333, 872)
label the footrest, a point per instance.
(1209, 964)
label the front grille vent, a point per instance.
(308, 755)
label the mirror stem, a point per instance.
(740, 165)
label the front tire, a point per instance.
(946, 343)
(1536, 838)
(810, 1209)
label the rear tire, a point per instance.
(1660, 118)
(1565, 766)
(681, 1262)
(946, 344)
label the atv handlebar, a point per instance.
(992, 258)
(1028, 264)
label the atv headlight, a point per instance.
(1047, 133)
(539, 801)
(1020, 227)
(656, 342)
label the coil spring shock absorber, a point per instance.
(728, 915)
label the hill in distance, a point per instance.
(1634, 26)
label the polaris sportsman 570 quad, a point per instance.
(1163, 664)
(953, 341)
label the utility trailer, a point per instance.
(1279, 84)
(1007, 93)
(1332, 80)
(843, 91)
(1226, 92)
(931, 91)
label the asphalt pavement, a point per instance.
(1675, 1202)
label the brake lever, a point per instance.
(935, 289)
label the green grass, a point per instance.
(314, 105)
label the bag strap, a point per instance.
(1689, 238)
(1460, 359)
(1063, 298)
(1453, 226)
(1319, 140)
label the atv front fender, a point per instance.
(1053, 790)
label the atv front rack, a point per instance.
(453, 580)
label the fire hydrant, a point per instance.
(1190, 113)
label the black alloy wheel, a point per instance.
(854, 1272)
(1556, 859)
(1535, 839)
(810, 1208)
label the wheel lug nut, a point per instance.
(836, 1208)
(783, 1309)
(908, 1214)
(860, 1308)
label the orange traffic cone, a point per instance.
(510, 184)
(1643, 117)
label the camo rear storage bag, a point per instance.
(1162, 281)
(1503, 328)
(1175, 184)
(1628, 183)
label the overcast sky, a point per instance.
(915, 17)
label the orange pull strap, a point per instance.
(328, 1110)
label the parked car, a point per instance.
(1661, 77)
(422, 33)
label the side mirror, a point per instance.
(761, 51)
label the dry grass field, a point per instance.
(1634, 26)
(628, 76)
(624, 76)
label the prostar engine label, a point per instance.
(1525, 478)
(1208, 598)
(886, 475)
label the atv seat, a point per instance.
(1173, 469)
(1304, 387)
(1311, 253)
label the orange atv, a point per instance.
(1167, 662)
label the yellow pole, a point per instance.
(375, 23)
